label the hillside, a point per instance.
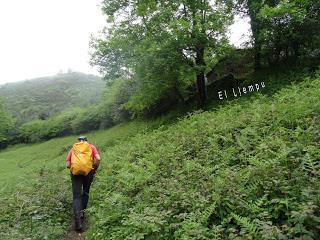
(245, 169)
(41, 98)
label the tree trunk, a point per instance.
(202, 93)
(255, 27)
(257, 57)
(257, 46)
(178, 93)
(201, 84)
(295, 47)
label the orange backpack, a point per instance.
(81, 159)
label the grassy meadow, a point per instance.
(245, 169)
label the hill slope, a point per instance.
(248, 169)
(41, 98)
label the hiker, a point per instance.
(83, 161)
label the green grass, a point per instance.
(245, 169)
(35, 188)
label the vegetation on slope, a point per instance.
(246, 170)
(41, 98)
(249, 170)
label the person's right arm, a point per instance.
(68, 159)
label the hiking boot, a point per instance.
(78, 224)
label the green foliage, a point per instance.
(289, 26)
(35, 192)
(84, 121)
(115, 95)
(160, 73)
(6, 124)
(76, 120)
(60, 125)
(32, 131)
(247, 169)
(107, 113)
(284, 29)
(42, 98)
(163, 47)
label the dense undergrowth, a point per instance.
(247, 169)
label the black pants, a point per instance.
(80, 191)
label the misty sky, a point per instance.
(44, 37)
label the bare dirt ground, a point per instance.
(74, 235)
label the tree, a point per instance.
(289, 28)
(252, 8)
(282, 28)
(159, 43)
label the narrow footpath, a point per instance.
(74, 235)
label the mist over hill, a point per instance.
(43, 97)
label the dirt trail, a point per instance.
(74, 235)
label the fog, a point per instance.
(45, 37)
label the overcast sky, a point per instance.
(44, 37)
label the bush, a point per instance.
(60, 125)
(86, 120)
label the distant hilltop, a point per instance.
(41, 98)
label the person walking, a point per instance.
(83, 161)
